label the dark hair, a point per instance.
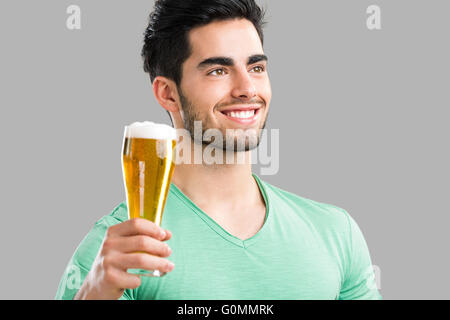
(166, 43)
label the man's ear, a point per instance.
(166, 93)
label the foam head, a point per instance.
(150, 130)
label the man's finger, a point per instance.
(122, 279)
(143, 261)
(139, 243)
(137, 226)
(168, 235)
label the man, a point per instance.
(232, 236)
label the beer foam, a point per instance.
(150, 130)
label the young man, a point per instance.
(232, 236)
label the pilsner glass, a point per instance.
(147, 164)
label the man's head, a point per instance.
(206, 62)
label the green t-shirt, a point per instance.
(304, 250)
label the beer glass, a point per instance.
(147, 164)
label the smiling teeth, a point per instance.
(241, 114)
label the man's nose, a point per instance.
(243, 88)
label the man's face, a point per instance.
(224, 83)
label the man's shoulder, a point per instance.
(306, 207)
(117, 215)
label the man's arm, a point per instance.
(359, 282)
(98, 269)
(81, 261)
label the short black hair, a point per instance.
(166, 43)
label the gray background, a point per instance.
(362, 116)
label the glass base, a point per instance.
(146, 273)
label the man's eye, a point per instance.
(217, 72)
(258, 69)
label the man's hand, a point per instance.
(133, 244)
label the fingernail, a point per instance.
(162, 234)
(171, 266)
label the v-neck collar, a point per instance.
(216, 227)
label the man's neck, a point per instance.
(219, 185)
(227, 193)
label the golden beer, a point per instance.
(148, 165)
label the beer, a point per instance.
(148, 163)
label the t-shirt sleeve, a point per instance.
(82, 260)
(359, 282)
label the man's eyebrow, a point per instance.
(225, 61)
(257, 58)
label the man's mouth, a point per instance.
(243, 116)
(240, 114)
